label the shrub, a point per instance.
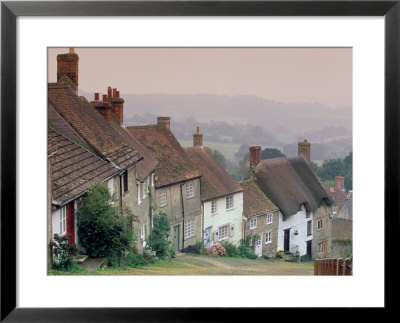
(231, 249)
(159, 238)
(199, 248)
(280, 254)
(216, 250)
(63, 252)
(294, 257)
(245, 250)
(104, 229)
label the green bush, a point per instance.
(159, 238)
(63, 252)
(104, 229)
(294, 257)
(199, 248)
(231, 249)
(245, 249)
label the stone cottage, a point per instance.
(176, 180)
(305, 216)
(221, 196)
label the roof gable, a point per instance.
(174, 165)
(215, 181)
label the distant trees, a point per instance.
(218, 156)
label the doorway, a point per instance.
(286, 240)
(258, 247)
(207, 237)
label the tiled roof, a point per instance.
(215, 181)
(91, 126)
(255, 202)
(174, 165)
(337, 193)
(148, 164)
(289, 183)
(74, 169)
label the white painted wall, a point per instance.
(295, 222)
(233, 217)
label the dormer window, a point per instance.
(189, 189)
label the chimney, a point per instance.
(304, 148)
(197, 138)
(164, 121)
(67, 65)
(102, 107)
(340, 181)
(255, 158)
(96, 97)
(117, 103)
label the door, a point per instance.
(207, 237)
(325, 248)
(258, 247)
(71, 222)
(176, 237)
(286, 240)
(309, 245)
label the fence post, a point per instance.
(340, 267)
(316, 264)
(335, 264)
(324, 265)
(347, 267)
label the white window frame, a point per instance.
(189, 229)
(189, 189)
(269, 218)
(223, 232)
(253, 223)
(63, 221)
(229, 202)
(309, 223)
(163, 197)
(320, 224)
(152, 179)
(268, 237)
(144, 188)
(215, 209)
(138, 193)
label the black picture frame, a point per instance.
(10, 10)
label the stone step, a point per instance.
(92, 264)
(80, 259)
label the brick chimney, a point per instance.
(67, 64)
(254, 158)
(197, 138)
(304, 150)
(117, 103)
(103, 107)
(340, 181)
(164, 121)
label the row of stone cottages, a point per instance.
(282, 202)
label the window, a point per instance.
(269, 218)
(189, 190)
(63, 221)
(163, 197)
(152, 179)
(110, 184)
(139, 200)
(253, 223)
(308, 214)
(223, 232)
(144, 188)
(309, 228)
(319, 224)
(125, 181)
(268, 237)
(189, 229)
(229, 202)
(284, 217)
(214, 207)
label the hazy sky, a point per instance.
(298, 75)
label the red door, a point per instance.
(71, 222)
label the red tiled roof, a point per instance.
(255, 202)
(148, 164)
(174, 165)
(215, 181)
(91, 126)
(74, 169)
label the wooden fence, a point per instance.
(333, 267)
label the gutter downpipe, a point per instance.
(183, 217)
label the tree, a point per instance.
(104, 230)
(217, 155)
(159, 237)
(269, 153)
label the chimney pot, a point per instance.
(340, 181)
(164, 121)
(197, 138)
(109, 90)
(67, 65)
(114, 93)
(104, 97)
(117, 94)
(96, 96)
(255, 155)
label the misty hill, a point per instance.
(282, 118)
